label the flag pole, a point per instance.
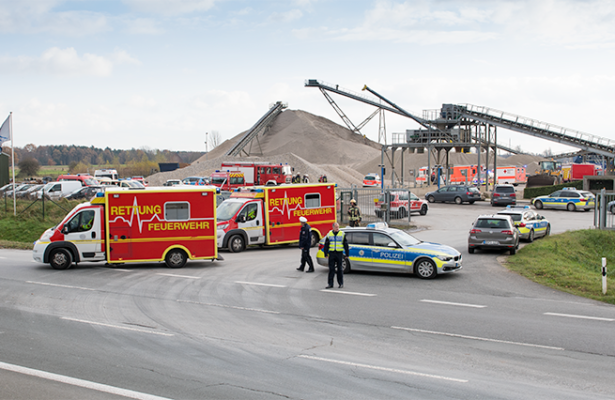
(13, 161)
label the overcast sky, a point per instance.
(162, 73)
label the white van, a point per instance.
(56, 190)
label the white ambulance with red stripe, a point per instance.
(268, 215)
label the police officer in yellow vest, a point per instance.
(354, 213)
(335, 249)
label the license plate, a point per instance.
(490, 242)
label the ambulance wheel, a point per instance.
(236, 244)
(176, 258)
(314, 241)
(346, 265)
(458, 200)
(426, 269)
(570, 207)
(538, 204)
(530, 238)
(423, 209)
(60, 259)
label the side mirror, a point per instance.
(241, 218)
(64, 229)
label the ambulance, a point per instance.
(511, 175)
(268, 215)
(121, 225)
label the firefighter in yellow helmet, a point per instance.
(354, 213)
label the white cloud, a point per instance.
(56, 61)
(286, 17)
(143, 26)
(170, 7)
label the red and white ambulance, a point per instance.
(267, 215)
(511, 175)
(170, 224)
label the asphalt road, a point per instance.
(253, 327)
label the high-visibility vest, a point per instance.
(336, 242)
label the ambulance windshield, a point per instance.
(227, 210)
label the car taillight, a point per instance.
(496, 195)
(582, 199)
(521, 225)
(475, 231)
(320, 246)
(513, 195)
(507, 232)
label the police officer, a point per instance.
(305, 242)
(354, 213)
(336, 247)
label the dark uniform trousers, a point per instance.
(335, 260)
(305, 257)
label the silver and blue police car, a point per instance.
(377, 247)
(570, 199)
(529, 224)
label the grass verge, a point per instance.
(570, 262)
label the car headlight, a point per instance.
(223, 227)
(444, 258)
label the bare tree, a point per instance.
(214, 139)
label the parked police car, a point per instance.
(380, 248)
(530, 224)
(570, 199)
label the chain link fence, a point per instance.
(376, 205)
(604, 214)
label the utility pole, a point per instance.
(206, 148)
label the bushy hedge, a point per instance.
(530, 193)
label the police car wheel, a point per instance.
(548, 232)
(60, 259)
(314, 241)
(426, 269)
(423, 209)
(176, 258)
(236, 244)
(570, 207)
(345, 265)
(530, 237)
(538, 204)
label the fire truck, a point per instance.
(576, 172)
(227, 180)
(261, 173)
(121, 225)
(267, 215)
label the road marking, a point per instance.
(580, 316)
(477, 338)
(227, 306)
(399, 371)
(259, 284)
(117, 269)
(63, 286)
(351, 293)
(119, 327)
(453, 304)
(179, 276)
(80, 382)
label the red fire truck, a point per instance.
(171, 224)
(261, 173)
(267, 215)
(227, 180)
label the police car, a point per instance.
(377, 247)
(529, 224)
(570, 199)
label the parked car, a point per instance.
(399, 205)
(172, 182)
(377, 247)
(371, 180)
(26, 194)
(503, 195)
(56, 190)
(85, 193)
(19, 189)
(493, 232)
(6, 188)
(530, 224)
(457, 193)
(570, 199)
(196, 180)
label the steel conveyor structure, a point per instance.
(528, 126)
(257, 128)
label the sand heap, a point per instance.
(315, 146)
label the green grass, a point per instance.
(570, 262)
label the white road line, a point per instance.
(57, 285)
(80, 382)
(227, 306)
(579, 316)
(259, 284)
(119, 327)
(180, 276)
(351, 293)
(477, 338)
(399, 371)
(118, 269)
(453, 304)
